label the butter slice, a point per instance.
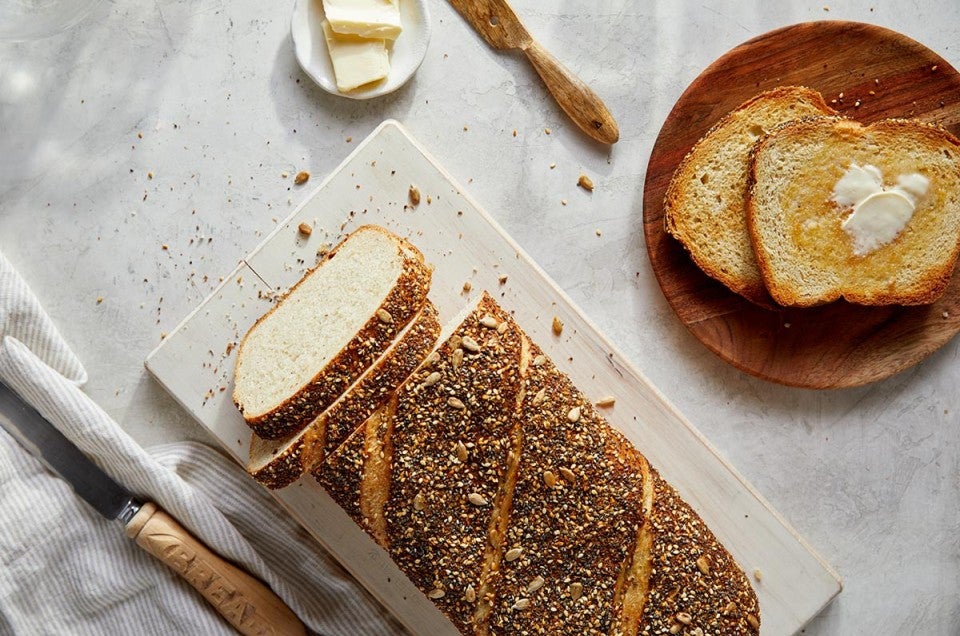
(366, 18)
(356, 61)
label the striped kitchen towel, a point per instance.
(66, 570)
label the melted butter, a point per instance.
(878, 214)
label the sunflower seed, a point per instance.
(576, 590)
(703, 564)
(384, 316)
(470, 344)
(477, 499)
(513, 554)
(683, 617)
(462, 452)
(535, 585)
(436, 593)
(540, 396)
(567, 474)
(456, 359)
(549, 479)
(574, 414)
(521, 604)
(489, 321)
(432, 379)
(456, 403)
(539, 360)
(470, 595)
(419, 501)
(606, 402)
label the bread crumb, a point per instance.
(552, 166)
(599, 233)
(546, 131)
(149, 175)
(284, 174)
(946, 314)
(563, 201)
(503, 279)
(933, 68)
(349, 139)
(467, 286)
(606, 401)
(757, 574)
(99, 299)
(557, 326)
(305, 229)
(301, 178)
(164, 246)
(414, 195)
(514, 132)
(585, 182)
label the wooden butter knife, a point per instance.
(496, 22)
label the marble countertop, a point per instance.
(142, 154)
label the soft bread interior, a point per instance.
(302, 334)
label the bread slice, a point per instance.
(301, 355)
(806, 255)
(278, 463)
(704, 205)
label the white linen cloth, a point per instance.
(64, 569)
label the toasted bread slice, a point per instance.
(704, 205)
(809, 252)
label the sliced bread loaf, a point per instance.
(327, 329)
(704, 205)
(278, 463)
(871, 214)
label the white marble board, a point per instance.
(195, 364)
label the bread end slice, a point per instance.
(704, 207)
(806, 254)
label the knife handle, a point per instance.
(245, 602)
(584, 107)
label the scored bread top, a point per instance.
(805, 255)
(704, 205)
(327, 329)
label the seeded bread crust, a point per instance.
(569, 531)
(805, 256)
(439, 509)
(278, 464)
(704, 206)
(402, 303)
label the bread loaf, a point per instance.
(278, 463)
(704, 205)
(301, 356)
(509, 501)
(870, 213)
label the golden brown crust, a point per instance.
(923, 289)
(291, 458)
(679, 190)
(402, 303)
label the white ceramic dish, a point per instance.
(406, 53)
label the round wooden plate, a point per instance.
(873, 73)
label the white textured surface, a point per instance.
(870, 476)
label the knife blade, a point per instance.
(245, 602)
(500, 27)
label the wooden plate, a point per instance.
(836, 345)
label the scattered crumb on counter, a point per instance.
(585, 182)
(563, 201)
(503, 279)
(552, 166)
(414, 195)
(467, 286)
(557, 326)
(305, 229)
(606, 402)
(301, 178)
(546, 131)
(598, 232)
(284, 174)
(757, 574)
(99, 299)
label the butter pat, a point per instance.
(356, 60)
(366, 18)
(879, 214)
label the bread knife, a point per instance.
(245, 602)
(496, 22)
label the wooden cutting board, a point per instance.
(867, 73)
(195, 364)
